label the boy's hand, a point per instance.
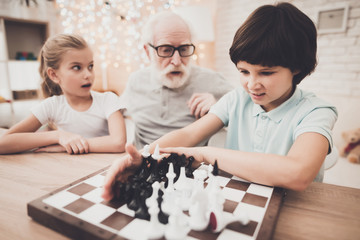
(195, 152)
(121, 169)
(73, 143)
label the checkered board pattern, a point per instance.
(78, 211)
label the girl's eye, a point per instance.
(91, 66)
(76, 67)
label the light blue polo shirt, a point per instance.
(251, 129)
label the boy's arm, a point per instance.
(187, 136)
(294, 171)
(192, 134)
(115, 141)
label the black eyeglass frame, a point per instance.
(174, 49)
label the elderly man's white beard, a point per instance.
(171, 77)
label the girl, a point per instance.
(278, 135)
(87, 121)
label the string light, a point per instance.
(112, 27)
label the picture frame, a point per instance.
(332, 19)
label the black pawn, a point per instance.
(163, 217)
(142, 211)
(134, 204)
(215, 171)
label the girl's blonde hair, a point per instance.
(51, 55)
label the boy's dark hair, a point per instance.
(277, 35)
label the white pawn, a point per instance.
(169, 193)
(152, 200)
(177, 227)
(170, 176)
(156, 155)
(182, 180)
(198, 220)
(155, 229)
(183, 188)
(215, 196)
(146, 152)
(199, 176)
(219, 220)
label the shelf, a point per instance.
(24, 36)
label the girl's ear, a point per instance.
(52, 75)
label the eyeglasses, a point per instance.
(167, 51)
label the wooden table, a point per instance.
(323, 211)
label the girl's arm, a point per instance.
(115, 141)
(22, 137)
(294, 171)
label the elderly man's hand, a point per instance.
(121, 169)
(200, 104)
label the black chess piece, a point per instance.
(134, 203)
(118, 188)
(142, 211)
(215, 170)
(188, 169)
(154, 172)
(163, 217)
(144, 171)
(163, 168)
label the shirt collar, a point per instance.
(278, 113)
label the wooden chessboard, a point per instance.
(78, 211)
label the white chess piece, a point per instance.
(177, 227)
(198, 220)
(219, 220)
(152, 200)
(146, 152)
(170, 176)
(169, 193)
(156, 155)
(183, 187)
(155, 229)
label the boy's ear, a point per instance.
(296, 72)
(52, 75)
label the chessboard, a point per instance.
(78, 211)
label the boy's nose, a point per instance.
(252, 83)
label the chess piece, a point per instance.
(198, 220)
(155, 229)
(143, 172)
(183, 188)
(154, 172)
(163, 217)
(219, 220)
(169, 194)
(152, 200)
(177, 227)
(188, 168)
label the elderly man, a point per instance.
(171, 93)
